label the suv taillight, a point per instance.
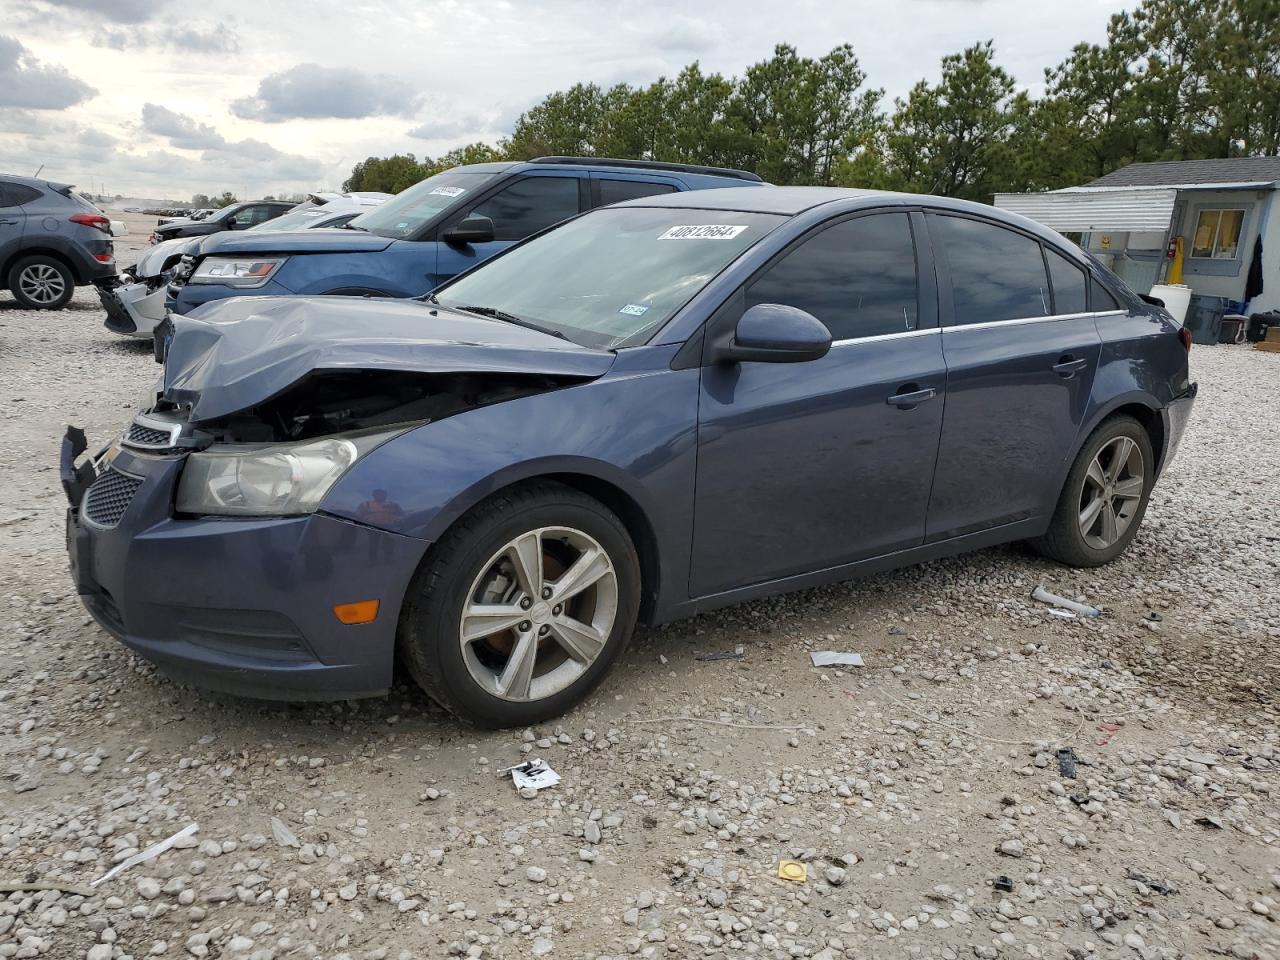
(92, 220)
(1185, 336)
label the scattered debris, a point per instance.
(535, 774)
(1210, 821)
(1153, 616)
(1158, 886)
(1061, 614)
(723, 655)
(1003, 883)
(1110, 729)
(150, 853)
(1083, 609)
(829, 658)
(793, 871)
(282, 835)
(1067, 763)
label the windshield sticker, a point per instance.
(707, 231)
(635, 310)
(449, 191)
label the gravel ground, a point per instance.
(922, 794)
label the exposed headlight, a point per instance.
(237, 272)
(269, 480)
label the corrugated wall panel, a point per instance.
(1081, 212)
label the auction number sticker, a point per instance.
(635, 309)
(706, 231)
(449, 191)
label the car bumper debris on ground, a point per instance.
(922, 795)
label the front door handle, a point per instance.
(909, 395)
(1068, 366)
(8, 221)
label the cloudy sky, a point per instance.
(161, 98)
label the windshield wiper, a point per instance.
(348, 226)
(502, 315)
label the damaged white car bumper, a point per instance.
(134, 309)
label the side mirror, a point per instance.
(472, 229)
(1154, 301)
(774, 333)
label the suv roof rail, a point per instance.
(653, 165)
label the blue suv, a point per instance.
(433, 231)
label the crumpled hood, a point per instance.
(293, 241)
(233, 354)
(151, 263)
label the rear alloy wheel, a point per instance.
(41, 283)
(522, 607)
(1104, 498)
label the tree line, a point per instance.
(1174, 80)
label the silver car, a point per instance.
(135, 301)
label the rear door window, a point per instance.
(529, 205)
(858, 277)
(16, 194)
(1101, 298)
(615, 191)
(996, 274)
(1069, 289)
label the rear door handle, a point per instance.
(909, 395)
(1069, 366)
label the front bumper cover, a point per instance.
(133, 309)
(239, 606)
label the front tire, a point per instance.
(1105, 496)
(522, 607)
(41, 283)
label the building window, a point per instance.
(1217, 235)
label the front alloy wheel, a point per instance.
(539, 614)
(522, 606)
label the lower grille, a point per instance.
(109, 497)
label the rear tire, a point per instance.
(515, 553)
(1105, 496)
(41, 283)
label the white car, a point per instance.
(135, 302)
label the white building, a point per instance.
(1223, 212)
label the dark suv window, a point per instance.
(529, 205)
(615, 191)
(1068, 284)
(996, 274)
(858, 277)
(16, 194)
(252, 216)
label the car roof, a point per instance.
(787, 201)
(36, 182)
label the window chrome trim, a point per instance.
(1023, 321)
(902, 335)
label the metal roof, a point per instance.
(1229, 170)
(1079, 211)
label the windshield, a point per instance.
(293, 220)
(613, 275)
(406, 212)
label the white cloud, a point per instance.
(26, 82)
(311, 91)
(302, 89)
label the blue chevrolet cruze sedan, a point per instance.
(652, 410)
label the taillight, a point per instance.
(1185, 336)
(92, 220)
